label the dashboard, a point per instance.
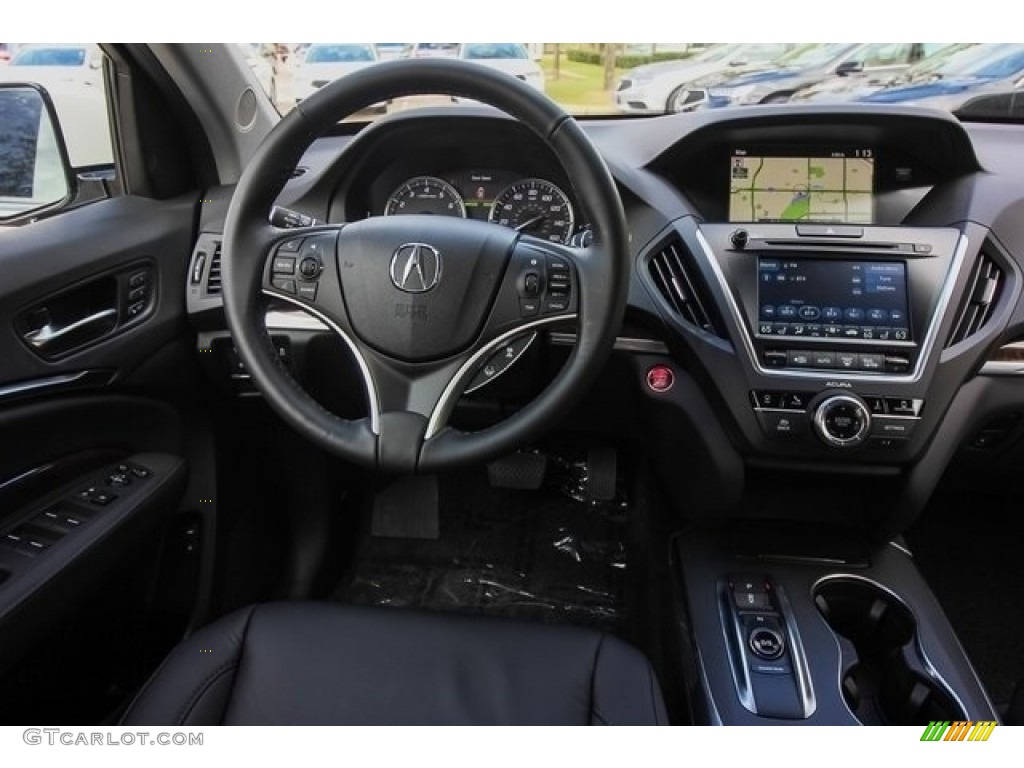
(830, 289)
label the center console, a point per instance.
(788, 629)
(837, 330)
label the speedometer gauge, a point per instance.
(535, 207)
(426, 194)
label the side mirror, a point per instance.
(849, 68)
(1007, 106)
(35, 173)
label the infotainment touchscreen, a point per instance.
(824, 186)
(823, 298)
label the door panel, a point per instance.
(110, 239)
(96, 375)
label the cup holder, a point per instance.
(885, 678)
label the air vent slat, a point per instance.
(676, 277)
(982, 294)
(213, 278)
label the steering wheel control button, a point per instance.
(307, 291)
(310, 268)
(531, 284)
(290, 246)
(660, 378)
(284, 284)
(553, 306)
(501, 361)
(767, 643)
(842, 421)
(284, 265)
(529, 307)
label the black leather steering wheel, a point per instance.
(422, 301)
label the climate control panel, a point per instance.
(837, 419)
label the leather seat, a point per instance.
(330, 664)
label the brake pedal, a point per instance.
(520, 471)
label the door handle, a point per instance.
(50, 333)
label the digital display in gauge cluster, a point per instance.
(534, 206)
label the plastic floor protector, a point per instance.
(549, 555)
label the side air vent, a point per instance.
(677, 279)
(213, 279)
(983, 290)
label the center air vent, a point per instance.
(677, 279)
(213, 279)
(983, 291)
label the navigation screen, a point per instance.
(822, 298)
(830, 187)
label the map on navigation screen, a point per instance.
(836, 187)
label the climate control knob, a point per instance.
(842, 421)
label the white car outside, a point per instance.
(325, 62)
(656, 88)
(510, 58)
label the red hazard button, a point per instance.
(660, 378)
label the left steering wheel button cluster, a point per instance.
(284, 265)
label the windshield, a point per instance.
(322, 54)
(617, 79)
(50, 57)
(479, 51)
(813, 56)
(984, 61)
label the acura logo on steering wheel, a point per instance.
(416, 267)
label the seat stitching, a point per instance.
(239, 657)
(654, 700)
(210, 679)
(202, 689)
(594, 711)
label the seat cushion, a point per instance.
(329, 664)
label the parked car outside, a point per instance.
(987, 69)
(325, 62)
(510, 58)
(435, 50)
(390, 51)
(662, 87)
(774, 84)
(843, 87)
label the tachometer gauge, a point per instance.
(535, 207)
(426, 194)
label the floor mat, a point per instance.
(969, 549)
(547, 555)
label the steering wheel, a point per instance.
(422, 301)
